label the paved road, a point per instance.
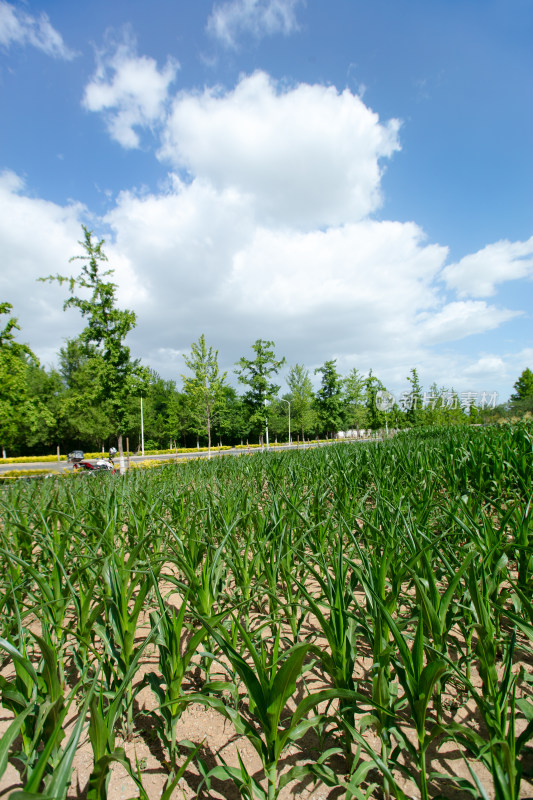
(64, 466)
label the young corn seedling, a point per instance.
(337, 621)
(436, 609)
(106, 706)
(204, 588)
(500, 752)
(57, 781)
(88, 609)
(382, 586)
(497, 700)
(36, 697)
(126, 587)
(176, 650)
(270, 684)
(418, 682)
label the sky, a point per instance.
(351, 179)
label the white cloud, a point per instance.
(38, 238)
(486, 366)
(462, 318)
(306, 156)
(368, 288)
(18, 27)
(478, 274)
(195, 260)
(130, 90)
(256, 17)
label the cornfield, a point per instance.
(356, 619)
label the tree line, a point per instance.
(92, 399)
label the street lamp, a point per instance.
(266, 423)
(142, 427)
(288, 403)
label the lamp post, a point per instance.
(266, 423)
(142, 428)
(288, 403)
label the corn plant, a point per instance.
(270, 684)
(418, 682)
(127, 584)
(437, 608)
(336, 617)
(36, 697)
(175, 656)
(106, 706)
(382, 588)
(497, 700)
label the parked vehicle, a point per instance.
(80, 463)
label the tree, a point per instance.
(118, 378)
(353, 399)
(204, 388)
(415, 414)
(301, 398)
(329, 398)
(376, 417)
(523, 386)
(230, 419)
(256, 374)
(22, 413)
(85, 417)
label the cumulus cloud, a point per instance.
(368, 287)
(264, 231)
(462, 318)
(307, 156)
(479, 273)
(130, 90)
(259, 18)
(38, 238)
(486, 366)
(195, 260)
(18, 27)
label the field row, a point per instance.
(353, 621)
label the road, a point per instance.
(64, 466)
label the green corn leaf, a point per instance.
(431, 673)
(9, 737)
(50, 659)
(60, 781)
(97, 788)
(284, 684)
(20, 659)
(36, 774)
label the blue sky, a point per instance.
(351, 179)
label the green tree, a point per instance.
(157, 403)
(301, 398)
(22, 413)
(204, 388)
(230, 420)
(178, 417)
(84, 417)
(376, 417)
(118, 376)
(256, 374)
(328, 398)
(355, 412)
(415, 412)
(47, 388)
(523, 386)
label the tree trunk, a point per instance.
(122, 466)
